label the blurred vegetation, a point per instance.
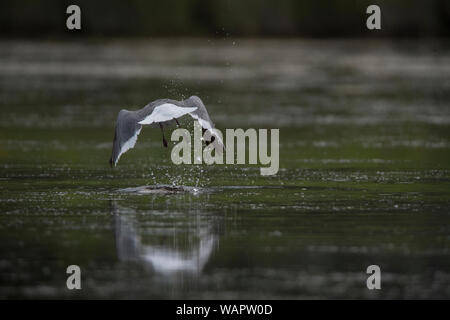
(250, 18)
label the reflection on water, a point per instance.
(181, 248)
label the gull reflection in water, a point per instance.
(170, 246)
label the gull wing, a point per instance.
(126, 134)
(202, 116)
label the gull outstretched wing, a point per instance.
(202, 116)
(125, 137)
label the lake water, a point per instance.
(364, 170)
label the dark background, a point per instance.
(250, 18)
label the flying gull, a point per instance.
(159, 113)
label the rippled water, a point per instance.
(364, 171)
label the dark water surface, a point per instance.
(364, 171)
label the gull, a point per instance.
(159, 113)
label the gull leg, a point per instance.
(178, 124)
(164, 139)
